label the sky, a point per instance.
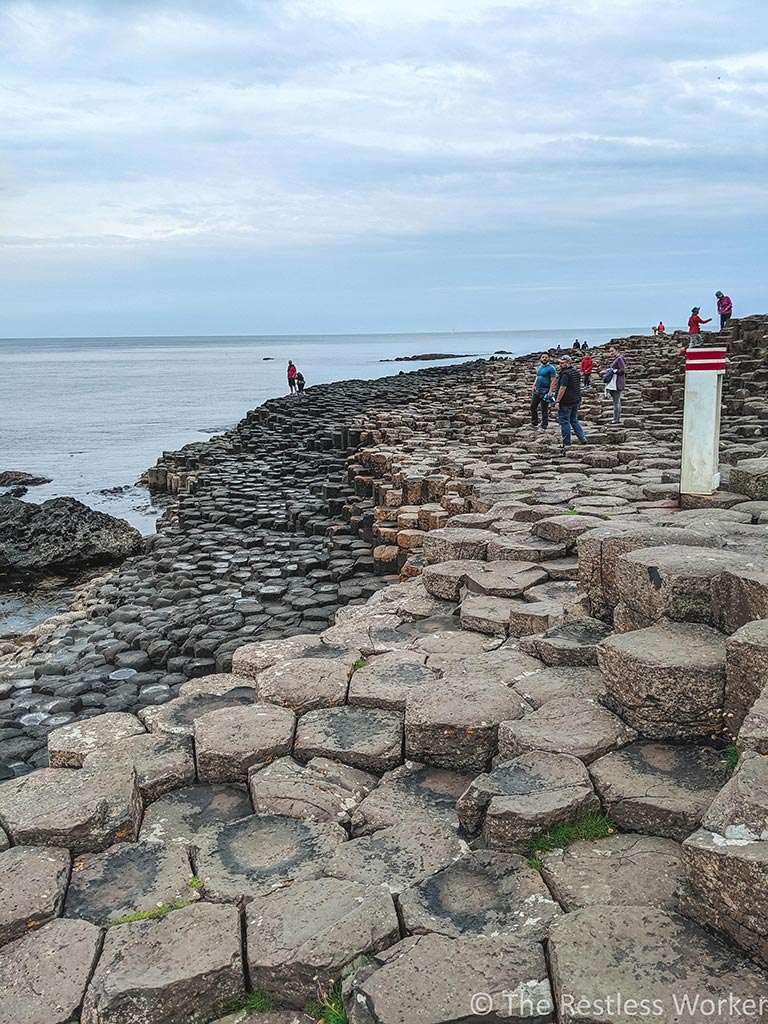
(340, 166)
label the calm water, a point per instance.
(93, 413)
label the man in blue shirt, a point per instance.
(543, 387)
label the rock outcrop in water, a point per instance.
(61, 535)
(499, 788)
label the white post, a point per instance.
(704, 371)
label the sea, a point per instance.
(93, 414)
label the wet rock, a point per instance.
(180, 969)
(261, 853)
(83, 810)
(192, 816)
(178, 717)
(659, 789)
(43, 975)
(314, 930)
(413, 790)
(487, 893)
(620, 870)
(522, 798)
(230, 741)
(70, 745)
(364, 738)
(565, 725)
(33, 881)
(667, 681)
(646, 955)
(321, 790)
(397, 857)
(128, 879)
(431, 979)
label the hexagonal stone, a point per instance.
(522, 798)
(256, 855)
(397, 857)
(507, 664)
(251, 659)
(528, 618)
(162, 762)
(746, 662)
(750, 477)
(457, 642)
(70, 744)
(554, 683)
(753, 734)
(489, 615)
(444, 580)
(572, 643)
(386, 681)
(659, 789)
(432, 979)
(33, 881)
(305, 683)
(313, 930)
(179, 969)
(565, 529)
(652, 958)
(741, 595)
(368, 632)
(413, 790)
(667, 681)
(128, 879)
(230, 741)
(218, 683)
(82, 809)
(503, 579)
(366, 738)
(178, 716)
(620, 870)
(487, 893)
(455, 723)
(191, 816)
(321, 790)
(456, 544)
(565, 725)
(43, 975)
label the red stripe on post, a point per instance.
(704, 366)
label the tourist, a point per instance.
(576, 344)
(584, 346)
(292, 371)
(587, 366)
(615, 380)
(694, 326)
(567, 402)
(661, 330)
(724, 308)
(543, 387)
(300, 381)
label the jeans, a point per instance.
(616, 396)
(536, 401)
(586, 379)
(569, 419)
(724, 318)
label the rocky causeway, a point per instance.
(406, 717)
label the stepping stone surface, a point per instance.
(44, 974)
(659, 789)
(80, 809)
(191, 816)
(321, 790)
(178, 716)
(162, 762)
(69, 745)
(305, 683)
(487, 893)
(565, 725)
(365, 738)
(33, 881)
(386, 681)
(621, 870)
(411, 791)
(314, 930)
(128, 878)
(553, 683)
(179, 969)
(431, 979)
(230, 741)
(256, 855)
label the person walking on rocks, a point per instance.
(543, 386)
(694, 326)
(567, 402)
(615, 381)
(586, 367)
(292, 371)
(724, 309)
(300, 382)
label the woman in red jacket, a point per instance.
(586, 366)
(694, 326)
(292, 371)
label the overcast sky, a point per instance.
(310, 166)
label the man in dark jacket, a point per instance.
(567, 402)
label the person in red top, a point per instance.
(694, 326)
(586, 366)
(292, 371)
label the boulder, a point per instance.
(61, 535)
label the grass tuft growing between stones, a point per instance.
(147, 915)
(360, 663)
(328, 1008)
(259, 1001)
(593, 826)
(731, 756)
(195, 882)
